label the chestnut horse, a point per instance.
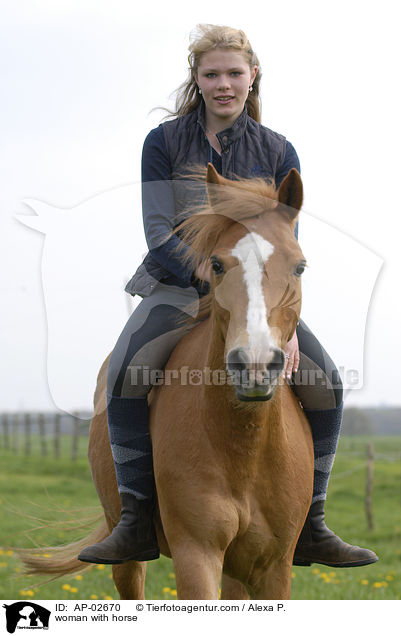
(232, 451)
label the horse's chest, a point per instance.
(265, 533)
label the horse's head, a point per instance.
(247, 232)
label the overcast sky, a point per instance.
(78, 82)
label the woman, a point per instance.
(217, 120)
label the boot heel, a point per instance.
(147, 555)
(302, 562)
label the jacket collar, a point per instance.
(227, 136)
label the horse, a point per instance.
(232, 450)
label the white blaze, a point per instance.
(252, 252)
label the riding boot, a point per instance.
(134, 538)
(318, 544)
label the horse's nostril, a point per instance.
(237, 359)
(278, 360)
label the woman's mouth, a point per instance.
(224, 100)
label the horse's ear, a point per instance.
(214, 182)
(212, 176)
(290, 193)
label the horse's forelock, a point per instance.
(233, 202)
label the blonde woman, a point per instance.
(217, 120)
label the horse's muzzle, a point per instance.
(255, 377)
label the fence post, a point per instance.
(15, 419)
(75, 438)
(28, 444)
(57, 435)
(42, 433)
(369, 485)
(6, 431)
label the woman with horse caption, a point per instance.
(234, 483)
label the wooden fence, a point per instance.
(18, 429)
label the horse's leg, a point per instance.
(197, 571)
(275, 582)
(129, 579)
(231, 589)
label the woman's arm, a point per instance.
(158, 207)
(291, 160)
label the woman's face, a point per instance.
(224, 78)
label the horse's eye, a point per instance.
(299, 270)
(217, 266)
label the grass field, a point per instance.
(34, 488)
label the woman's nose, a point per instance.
(223, 83)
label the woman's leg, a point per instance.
(318, 386)
(143, 347)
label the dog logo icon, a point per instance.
(26, 615)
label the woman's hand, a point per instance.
(203, 271)
(291, 351)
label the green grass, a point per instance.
(35, 488)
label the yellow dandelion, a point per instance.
(27, 593)
(78, 577)
(166, 589)
(171, 575)
(389, 577)
(379, 584)
(94, 596)
(220, 593)
(364, 582)
(335, 580)
(65, 586)
(1, 551)
(110, 576)
(316, 571)
(293, 575)
(173, 592)
(46, 555)
(108, 598)
(9, 553)
(3, 564)
(101, 566)
(326, 578)
(73, 590)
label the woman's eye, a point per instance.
(210, 75)
(217, 267)
(299, 270)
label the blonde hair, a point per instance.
(207, 37)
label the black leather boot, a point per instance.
(134, 538)
(318, 544)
